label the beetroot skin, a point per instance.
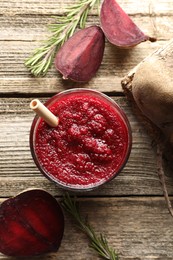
(31, 223)
(118, 27)
(81, 55)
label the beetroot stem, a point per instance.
(162, 178)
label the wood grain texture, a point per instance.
(15, 78)
(35, 28)
(18, 30)
(19, 172)
(23, 24)
(139, 228)
(53, 7)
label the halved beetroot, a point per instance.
(81, 55)
(118, 27)
(32, 223)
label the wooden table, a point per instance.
(130, 210)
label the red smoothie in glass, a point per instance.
(90, 145)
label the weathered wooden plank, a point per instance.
(31, 28)
(14, 86)
(18, 171)
(53, 7)
(138, 228)
(15, 78)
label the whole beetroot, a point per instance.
(150, 89)
(81, 55)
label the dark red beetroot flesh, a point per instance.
(118, 27)
(81, 55)
(31, 223)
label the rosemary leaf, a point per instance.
(98, 242)
(42, 58)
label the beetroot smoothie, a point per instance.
(90, 145)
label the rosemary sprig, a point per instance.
(42, 59)
(98, 243)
